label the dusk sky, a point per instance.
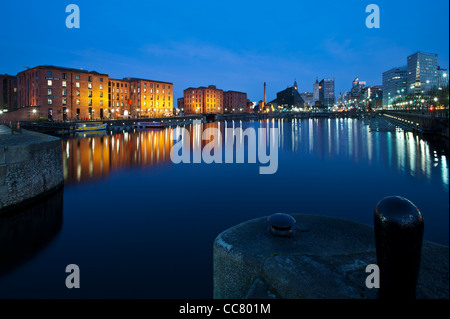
(235, 45)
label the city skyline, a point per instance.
(240, 56)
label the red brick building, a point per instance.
(151, 98)
(8, 93)
(60, 93)
(234, 102)
(63, 93)
(206, 100)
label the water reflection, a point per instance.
(352, 138)
(94, 157)
(27, 230)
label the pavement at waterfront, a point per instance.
(26, 137)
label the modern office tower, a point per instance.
(326, 92)
(442, 78)
(422, 72)
(316, 91)
(207, 100)
(394, 84)
(308, 98)
(357, 91)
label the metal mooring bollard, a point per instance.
(398, 236)
(281, 225)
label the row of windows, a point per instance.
(78, 102)
(77, 84)
(78, 93)
(64, 76)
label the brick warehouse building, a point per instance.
(61, 93)
(207, 100)
(234, 102)
(8, 93)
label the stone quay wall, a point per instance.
(30, 166)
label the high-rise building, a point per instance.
(207, 100)
(8, 93)
(394, 84)
(316, 91)
(357, 91)
(234, 102)
(326, 92)
(422, 72)
(308, 98)
(442, 78)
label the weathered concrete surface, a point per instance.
(326, 259)
(30, 165)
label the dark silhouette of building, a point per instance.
(290, 98)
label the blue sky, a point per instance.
(236, 45)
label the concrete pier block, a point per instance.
(325, 259)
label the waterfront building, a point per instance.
(234, 102)
(150, 98)
(422, 72)
(60, 93)
(372, 97)
(316, 92)
(119, 97)
(394, 85)
(8, 93)
(326, 92)
(289, 98)
(442, 78)
(207, 100)
(357, 91)
(180, 104)
(308, 98)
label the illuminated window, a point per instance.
(49, 82)
(50, 101)
(77, 84)
(90, 102)
(78, 93)
(49, 92)
(64, 84)
(89, 85)
(78, 101)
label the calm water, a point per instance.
(138, 225)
